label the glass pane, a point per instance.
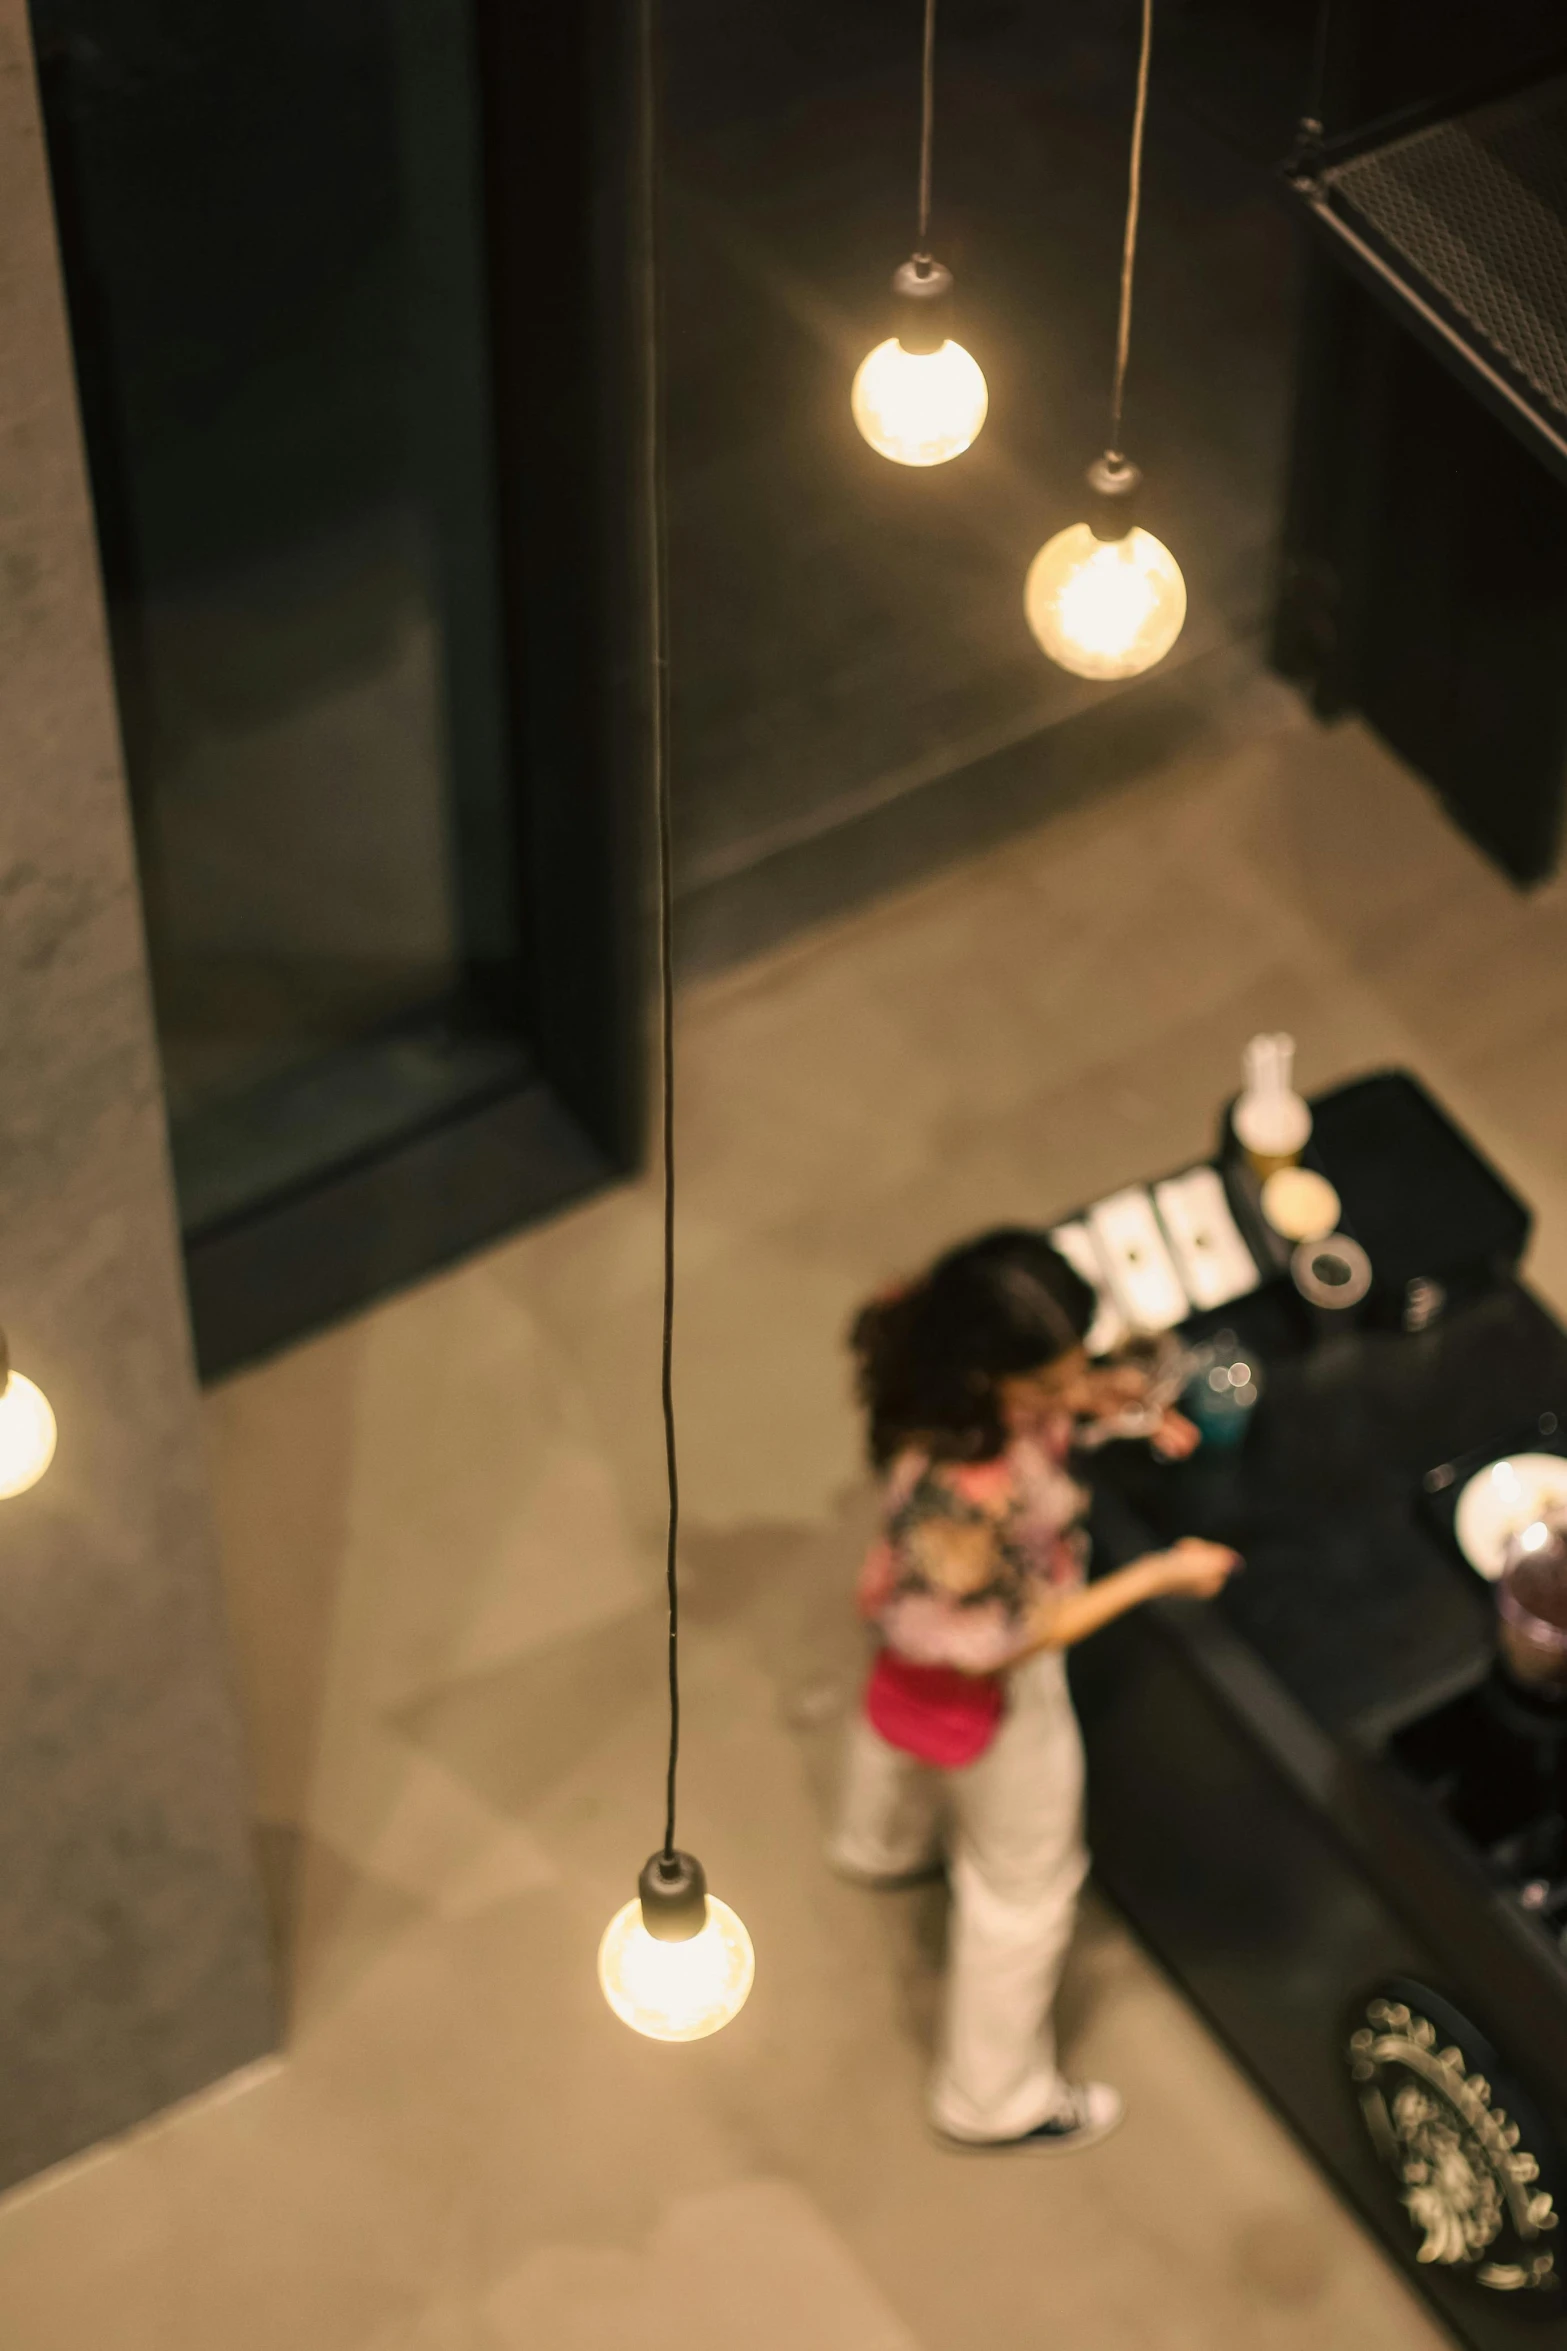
(270, 219)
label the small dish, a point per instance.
(1500, 1500)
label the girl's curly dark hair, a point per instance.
(929, 1356)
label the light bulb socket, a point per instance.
(922, 293)
(1113, 482)
(673, 1892)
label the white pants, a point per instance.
(1012, 1825)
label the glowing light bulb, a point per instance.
(1105, 608)
(676, 1991)
(27, 1434)
(919, 407)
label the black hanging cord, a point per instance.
(927, 120)
(658, 631)
(666, 989)
(1134, 200)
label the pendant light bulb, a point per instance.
(676, 1963)
(919, 398)
(1103, 598)
(673, 1964)
(1105, 608)
(27, 1431)
(919, 407)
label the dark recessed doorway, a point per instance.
(366, 455)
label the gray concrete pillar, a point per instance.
(133, 1953)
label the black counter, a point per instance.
(1354, 1595)
(1271, 1801)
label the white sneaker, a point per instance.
(1089, 2112)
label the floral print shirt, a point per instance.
(968, 1550)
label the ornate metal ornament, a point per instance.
(1469, 2157)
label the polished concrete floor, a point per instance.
(441, 1529)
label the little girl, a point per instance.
(976, 1380)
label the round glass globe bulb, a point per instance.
(27, 1434)
(1105, 608)
(919, 407)
(676, 1991)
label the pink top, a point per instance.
(968, 1550)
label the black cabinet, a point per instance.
(1241, 1849)
(1423, 578)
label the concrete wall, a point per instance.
(133, 1956)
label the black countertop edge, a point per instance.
(1512, 1968)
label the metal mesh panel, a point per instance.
(1476, 208)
